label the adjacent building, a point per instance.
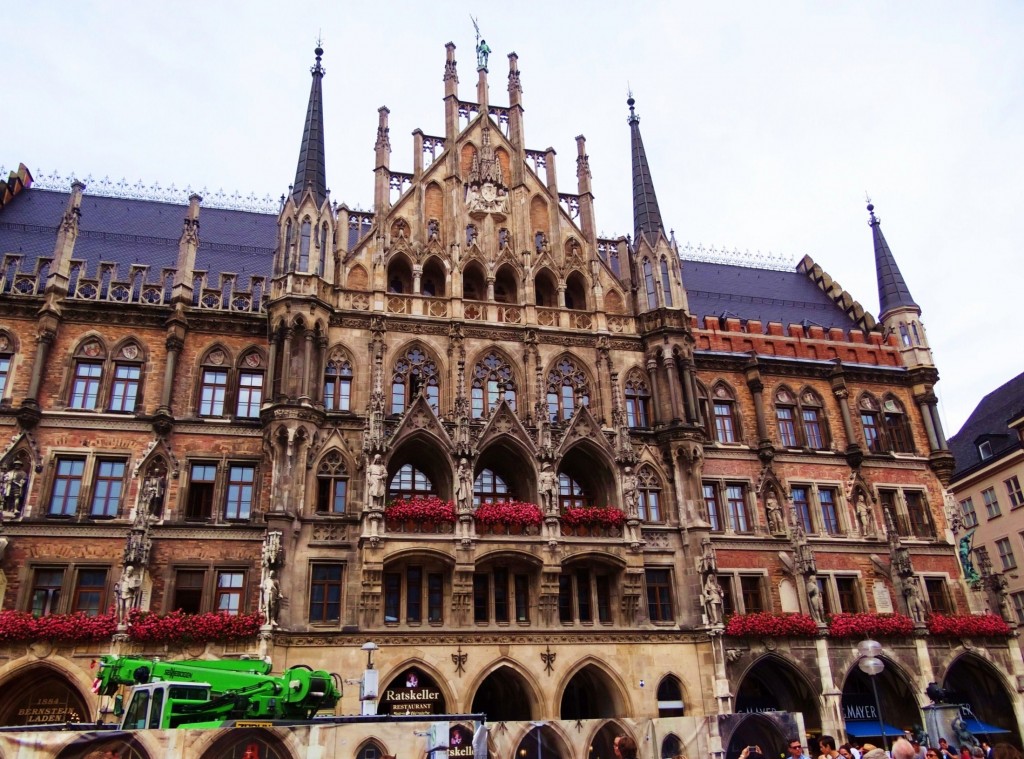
(399, 426)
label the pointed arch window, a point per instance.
(410, 482)
(332, 485)
(812, 416)
(567, 388)
(649, 495)
(670, 704)
(571, 494)
(490, 487)
(250, 386)
(304, 235)
(491, 377)
(638, 401)
(726, 421)
(338, 385)
(870, 420)
(897, 426)
(786, 415)
(666, 282)
(6, 359)
(649, 284)
(414, 373)
(88, 376)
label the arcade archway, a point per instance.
(412, 691)
(504, 697)
(897, 709)
(773, 685)
(541, 742)
(590, 695)
(985, 704)
(248, 743)
(40, 696)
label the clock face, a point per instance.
(489, 192)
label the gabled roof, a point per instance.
(989, 421)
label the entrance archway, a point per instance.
(896, 701)
(980, 687)
(39, 696)
(412, 691)
(773, 685)
(504, 697)
(603, 744)
(769, 732)
(248, 743)
(590, 695)
(540, 743)
(93, 746)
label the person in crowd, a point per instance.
(874, 753)
(945, 750)
(1005, 751)
(901, 749)
(796, 750)
(827, 744)
(625, 747)
(846, 751)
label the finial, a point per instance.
(871, 210)
(318, 52)
(630, 101)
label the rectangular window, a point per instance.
(724, 428)
(650, 509)
(501, 595)
(125, 390)
(67, 487)
(938, 596)
(846, 595)
(230, 589)
(107, 487)
(1006, 553)
(86, 387)
(728, 597)
(750, 588)
(602, 585)
(435, 597)
(870, 424)
(522, 598)
(325, 593)
(332, 495)
(414, 595)
(1014, 492)
(46, 585)
(5, 372)
(199, 502)
(565, 598)
(713, 509)
(659, 595)
(240, 489)
(1018, 605)
(583, 603)
(787, 426)
(481, 598)
(803, 509)
(988, 495)
(188, 590)
(392, 596)
(917, 513)
(829, 515)
(90, 589)
(970, 515)
(736, 496)
(212, 392)
(824, 595)
(812, 429)
(250, 394)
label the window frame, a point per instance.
(566, 389)
(206, 487)
(240, 495)
(98, 493)
(6, 369)
(991, 500)
(1014, 492)
(936, 590)
(85, 387)
(580, 595)
(1004, 547)
(337, 387)
(52, 599)
(125, 391)
(223, 592)
(970, 516)
(63, 487)
(99, 590)
(213, 394)
(660, 609)
(249, 397)
(325, 586)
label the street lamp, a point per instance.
(871, 665)
(370, 684)
(369, 647)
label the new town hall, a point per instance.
(213, 409)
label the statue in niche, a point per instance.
(376, 482)
(548, 488)
(708, 563)
(464, 488)
(127, 591)
(270, 598)
(12, 487)
(630, 494)
(864, 517)
(713, 599)
(775, 522)
(915, 605)
(814, 601)
(152, 500)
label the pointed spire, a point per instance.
(893, 292)
(311, 170)
(646, 215)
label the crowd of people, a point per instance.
(902, 748)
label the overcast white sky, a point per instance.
(764, 123)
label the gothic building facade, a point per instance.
(214, 409)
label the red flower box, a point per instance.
(867, 625)
(429, 510)
(509, 513)
(765, 624)
(601, 516)
(178, 627)
(968, 625)
(21, 626)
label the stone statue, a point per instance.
(464, 488)
(270, 597)
(963, 735)
(271, 552)
(915, 605)
(12, 487)
(127, 590)
(630, 494)
(376, 482)
(814, 602)
(713, 597)
(864, 517)
(708, 563)
(152, 495)
(433, 229)
(548, 490)
(776, 524)
(482, 51)
(964, 548)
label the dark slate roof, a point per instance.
(892, 289)
(989, 420)
(646, 214)
(769, 295)
(311, 169)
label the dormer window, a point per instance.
(985, 450)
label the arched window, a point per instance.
(671, 746)
(304, 245)
(567, 388)
(325, 242)
(638, 401)
(649, 495)
(490, 487)
(88, 376)
(897, 426)
(813, 417)
(670, 702)
(727, 428)
(6, 359)
(410, 482)
(571, 493)
(414, 373)
(491, 377)
(369, 750)
(786, 415)
(331, 485)
(870, 420)
(652, 292)
(666, 282)
(338, 385)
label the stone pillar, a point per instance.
(652, 371)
